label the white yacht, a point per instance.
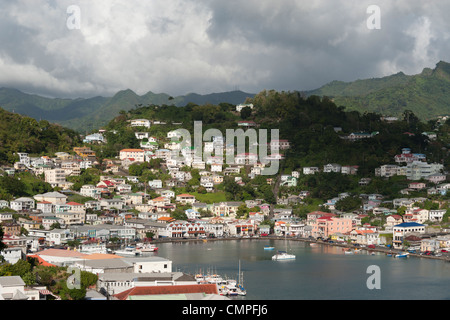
(128, 251)
(283, 255)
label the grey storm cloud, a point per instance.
(204, 46)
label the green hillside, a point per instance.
(87, 114)
(426, 94)
(24, 134)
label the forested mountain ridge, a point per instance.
(86, 114)
(426, 94)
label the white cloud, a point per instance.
(182, 46)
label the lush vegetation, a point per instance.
(427, 94)
(55, 278)
(23, 184)
(24, 134)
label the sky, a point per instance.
(85, 48)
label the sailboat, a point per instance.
(231, 287)
(283, 255)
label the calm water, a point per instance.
(321, 272)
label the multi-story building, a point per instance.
(23, 203)
(136, 154)
(400, 231)
(417, 170)
(325, 226)
(56, 177)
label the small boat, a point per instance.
(283, 255)
(269, 248)
(348, 251)
(147, 247)
(213, 278)
(402, 255)
(129, 251)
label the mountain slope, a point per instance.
(426, 94)
(88, 114)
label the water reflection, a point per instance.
(318, 272)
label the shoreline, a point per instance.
(342, 245)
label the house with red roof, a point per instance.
(185, 198)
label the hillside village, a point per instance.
(187, 200)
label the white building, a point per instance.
(140, 123)
(310, 170)
(23, 203)
(400, 231)
(418, 170)
(241, 106)
(137, 154)
(56, 177)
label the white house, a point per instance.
(310, 170)
(185, 198)
(23, 203)
(241, 106)
(89, 190)
(136, 154)
(13, 288)
(155, 184)
(332, 167)
(140, 123)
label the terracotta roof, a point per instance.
(41, 261)
(166, 219)
(177, 289)
(101, 256)
(72, 203)
(61, 253)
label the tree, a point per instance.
(349, 203)
(2, 245)
(246, 112)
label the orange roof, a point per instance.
(72, 203)
(185, 195)
(100, 256)
(61, 253)
(160, 199)
(166, 219)
(210, 288)
(41, 261)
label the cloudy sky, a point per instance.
(82, 48)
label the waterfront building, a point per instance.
(400, 231)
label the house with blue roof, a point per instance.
(400, 231)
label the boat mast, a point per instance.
(240, 275)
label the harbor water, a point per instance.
(319, 272)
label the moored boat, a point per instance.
(129, 251)
(146, 247)
(283, 255)
(269, 248)
(402, 255)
